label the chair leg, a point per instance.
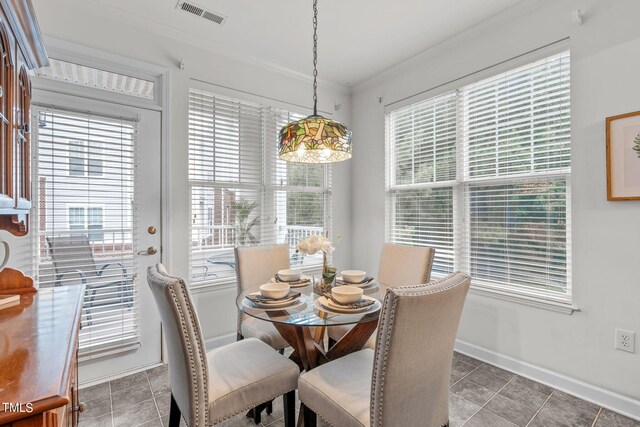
(289, 404)
(270, 407)
(256, 413)
(310, 418)
(174, 413)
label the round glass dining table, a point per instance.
(303, 325)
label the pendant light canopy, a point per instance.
(315, 139)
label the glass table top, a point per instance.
(307, 312)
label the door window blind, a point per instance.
(482, 175)
(86, 221)
(241, 193)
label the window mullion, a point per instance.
(460, 202)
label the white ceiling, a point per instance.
(357, 38)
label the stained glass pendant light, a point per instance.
(315, 139)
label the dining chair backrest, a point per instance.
(71, 254)
(402, 265)
(256, 265)
(188, 369)
(414, 350)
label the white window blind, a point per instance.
(482, 175)
(241, 193)
(422, 172)
(85, 220)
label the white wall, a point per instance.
(605, 69)
(605, 55)
(98, 26)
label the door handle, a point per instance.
(151, 250)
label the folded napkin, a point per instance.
(361, 303)
(292, 295)
(294, 283)
(366, 281)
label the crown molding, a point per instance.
(144, 22)
(474, 32)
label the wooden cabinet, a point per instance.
(22, 50)
(38, 355)
(7, 72)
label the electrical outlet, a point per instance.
(626, 340)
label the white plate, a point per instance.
(325, 304)
(271, 307)
(272, 304)
(302, 277)
(357, 285)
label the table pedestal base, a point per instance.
(308, 346)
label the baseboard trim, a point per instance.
(107, 378)
(600, 396)
(219, 341)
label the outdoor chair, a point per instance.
(72, 256)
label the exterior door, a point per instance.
(97, 214)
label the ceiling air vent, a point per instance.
(213, 17)
(200, 11)
(187, 7)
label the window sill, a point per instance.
(108, 350)
(521, 298)
(211, 286)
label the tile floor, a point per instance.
(481, 395)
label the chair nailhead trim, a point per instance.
(431, 288)
(253, 405)
(391, 299)
(194, 382)
(391, 302)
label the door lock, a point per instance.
(151, 250)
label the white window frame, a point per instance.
(85, 209)
(86, 154)
(461, 210)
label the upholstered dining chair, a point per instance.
(405, 381)
(208, 387)
(399, 265)
(256, 265)
(402, 265)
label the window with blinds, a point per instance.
(85, 220)
(241, 193)
(481, 174)
(422, 173)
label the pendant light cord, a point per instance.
(315, 57)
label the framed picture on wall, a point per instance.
(623, 157)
